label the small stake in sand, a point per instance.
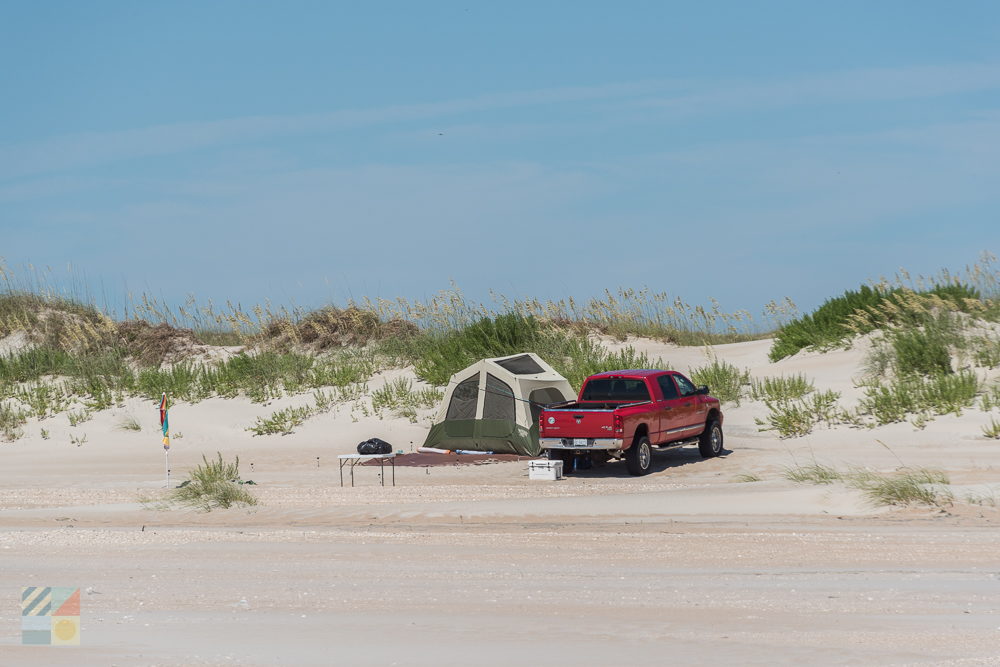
(165, 425)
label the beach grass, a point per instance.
(214, 484)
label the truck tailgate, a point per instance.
(577, 423)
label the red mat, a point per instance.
(429, 460)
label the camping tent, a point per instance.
(493, 405)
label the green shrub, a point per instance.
(281, 421)
(437, 355)
(584, 359)
(835, 321)
(938, 395)
(797, 417)
(183, 381)
(986, 351)
(826, 325)
(34, 363)
(285, 421)
(991, 398)
(950, 393)
(725, 381)
(11, 421)
(77, 417)
(780, 388)
(43, 400)
(260, 376)
(399, 397)
(920, 352)
(213, 484)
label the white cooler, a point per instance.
(550, 470)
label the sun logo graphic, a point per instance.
(50, 616)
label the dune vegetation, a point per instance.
(929, 342)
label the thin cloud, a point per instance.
(90, 149)
(675, 97)
(859, 86)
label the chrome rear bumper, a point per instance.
(580, 443)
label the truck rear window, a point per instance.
(615, 389)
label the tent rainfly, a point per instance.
(493, 405)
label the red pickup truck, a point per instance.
(624, 414)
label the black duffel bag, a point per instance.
(374, 446)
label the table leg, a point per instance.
(381, 471)
(393, 462)
(352, 471)
(341, 472)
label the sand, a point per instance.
(478, 564)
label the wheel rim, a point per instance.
(716, 440)
(644, 456)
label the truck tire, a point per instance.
(710, 441)
(639, 457)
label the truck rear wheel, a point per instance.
(639, 457)
(710, 441)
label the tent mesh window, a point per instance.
(523, 365)
(542, 397)
(463, 399)
(499, 401)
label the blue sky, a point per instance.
(308, 152)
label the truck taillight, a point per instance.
(541, 424)
(619, 426)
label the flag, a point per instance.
(164, 422)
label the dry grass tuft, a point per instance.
(155, 344)
(333, 327)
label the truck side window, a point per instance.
(667, 387)
(684, 385)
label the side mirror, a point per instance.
(703, 390)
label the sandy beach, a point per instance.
(477, 564)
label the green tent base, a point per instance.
(485, 435)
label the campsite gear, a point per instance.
(374, 446)
(549, 470)
(355, 459)
(433, 450)
(470, 451)
(493, 405)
